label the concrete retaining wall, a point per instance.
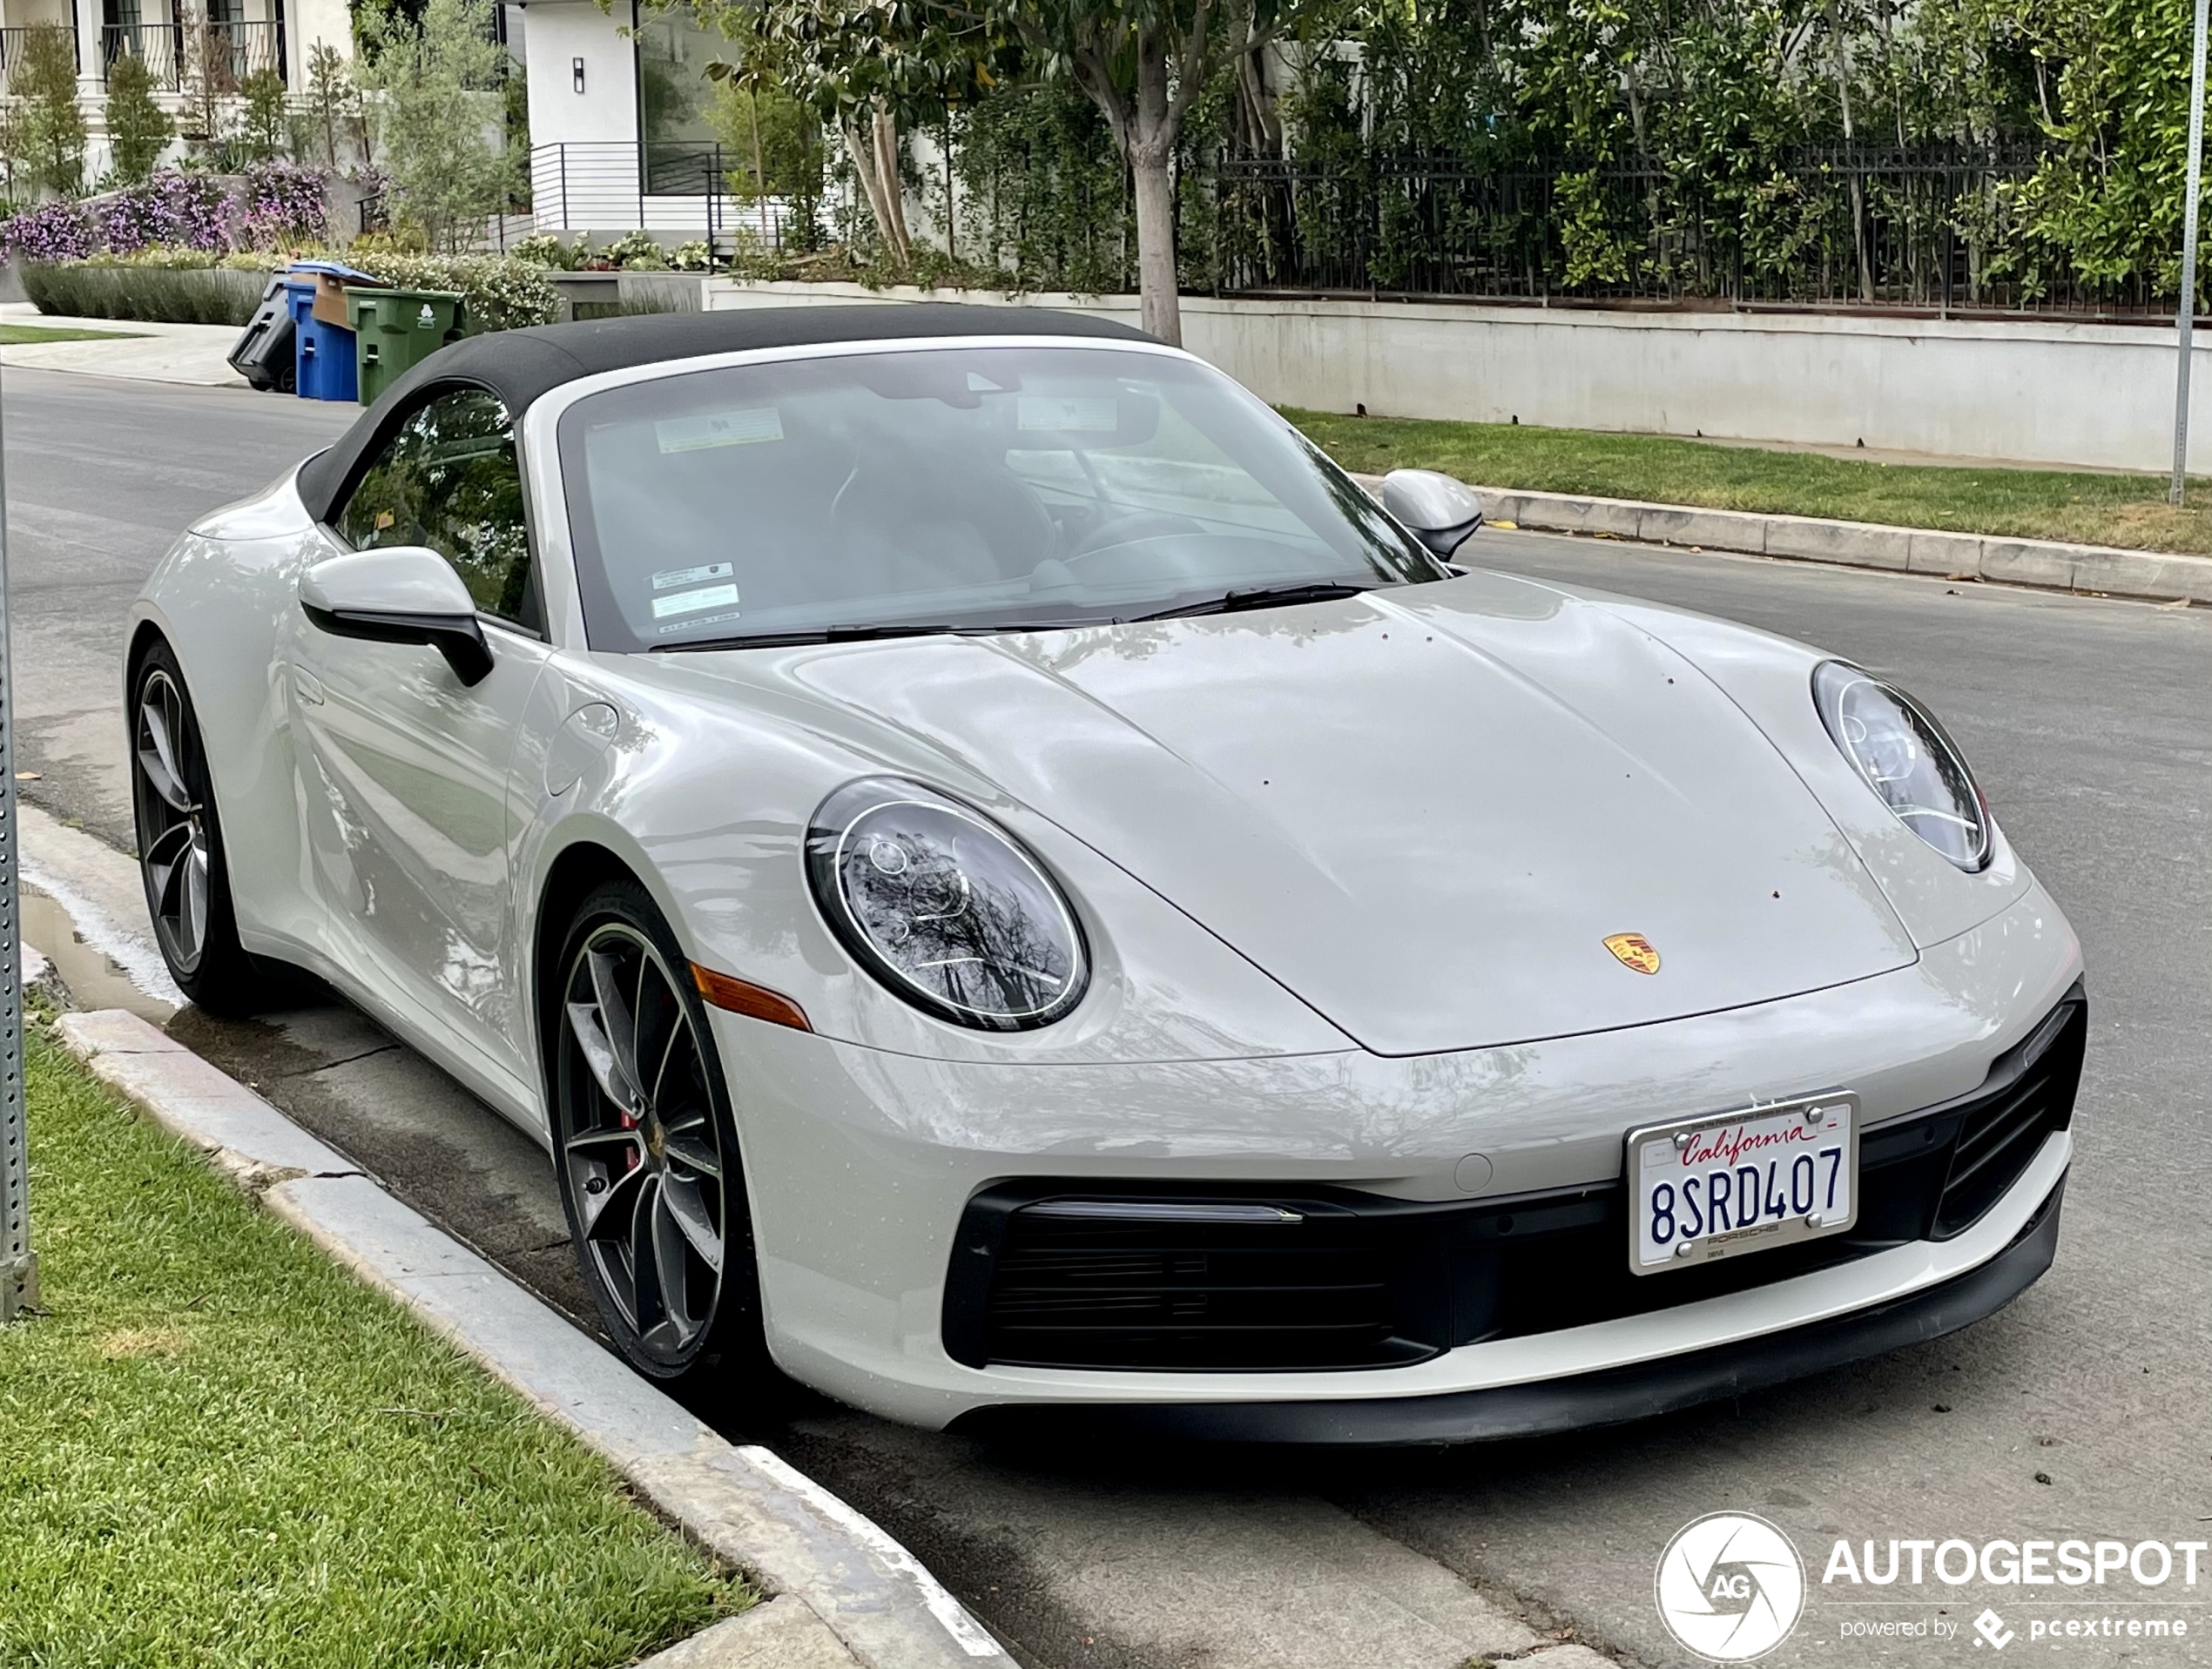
(2101, 395)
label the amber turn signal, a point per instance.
(742, 997)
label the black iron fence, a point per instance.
(15, 44)
(158, 46)
(1941, 231)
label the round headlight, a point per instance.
(1908, 758)
(944, 907)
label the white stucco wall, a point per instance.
(558, 33)
(310, 24)
(2033, 391)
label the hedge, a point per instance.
(501, 292)
(208, 295)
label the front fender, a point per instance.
(1770, 679)
(707, 801)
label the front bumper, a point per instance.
(860, 1164)
(1572, 1401)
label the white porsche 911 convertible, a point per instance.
(1011, 887)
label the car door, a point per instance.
(404, 769)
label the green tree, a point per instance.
(264, 115)
(2110, 193)
(330, 109)
(45, 83)
(868, 68)
(436, 122)
(138, 130)
(780, 143)
(1143, 62)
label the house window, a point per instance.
(674, 97)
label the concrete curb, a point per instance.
(847, 1594)
(2099, 569)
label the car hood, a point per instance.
(1425, 813)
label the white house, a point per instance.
(620, 137)
(194, 48)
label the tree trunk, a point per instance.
(1857, 185)
(864, 154)
(1144, 123)
(1149, 142)
(760, 160)
(887, 173)
(1162, 310)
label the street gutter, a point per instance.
(2094, 570)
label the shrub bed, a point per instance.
(206, 295)
(500, 291)
(189, 287)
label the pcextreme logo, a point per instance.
(1730, 1587)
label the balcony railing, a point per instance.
(15, 41)
(158, 46)
(226, 53)
(178, 55)
(679, 185)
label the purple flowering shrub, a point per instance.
(174, 209)
(282, 202)
(52, 232)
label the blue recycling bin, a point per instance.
(327, 365)
(325, 361)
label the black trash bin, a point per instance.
(266, 356)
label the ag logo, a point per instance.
(1730, 1587)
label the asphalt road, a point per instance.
(102, 477)
(2081, 1411)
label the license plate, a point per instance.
(1733, 1182)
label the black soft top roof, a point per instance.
(519, 366)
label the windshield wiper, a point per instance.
(1261, 596)
(1269, 596)
(862, 634)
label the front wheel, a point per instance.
(647, 1154)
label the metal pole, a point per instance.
(18, 1263)
(2188, 328)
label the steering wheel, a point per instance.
(1127, 529)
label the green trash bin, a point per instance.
(394, 329)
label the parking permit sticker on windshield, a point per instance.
(669, 578)
(688, 602)
(718, 429)
(1059, 413)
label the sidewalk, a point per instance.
(186, 353)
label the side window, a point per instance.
(447, 479)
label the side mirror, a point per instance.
(1440, 512)
(400, 594)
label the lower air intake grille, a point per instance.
(1085, 1274)
(1191, 1284)
(2005, 1126)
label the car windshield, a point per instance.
(952, 488)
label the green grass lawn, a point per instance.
(20, 335)
(217, 1449)
(2100, 509)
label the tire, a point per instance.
(646, 1155)
(182, 861)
